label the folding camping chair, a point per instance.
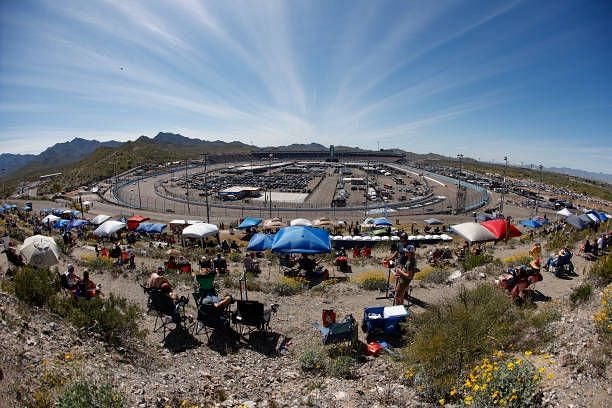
(253, 316)
(163, 306)
(206, 287)
(211, 318)
(345, 331)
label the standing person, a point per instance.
(601, 245)
(405, 267)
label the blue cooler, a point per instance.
(383, 319)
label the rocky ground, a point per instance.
(41, 351)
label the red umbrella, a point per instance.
(502, 229)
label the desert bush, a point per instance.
(565, 238)
(63, 247)
(290, 286)
(341, 367)
(423, 272)
(603, 318)
(446, 339)
(372, 280)
(235, 257)
(581, 294)
(500, 381)
(601, 271)
(437, 277)
(113, 318)
(35, 286)
(518, 259)
(313, 360)
(99, 263)
(83, 394)
(472, 261)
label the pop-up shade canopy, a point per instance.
(301, 240)
(249, 222)
(260, 242)
(100, 219)
(108, 228)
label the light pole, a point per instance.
(205, 160)
(539, 188)
(501, 202)
(365, 195)
(459, 187)
(270, 182)
(187, 188)
(139, 197)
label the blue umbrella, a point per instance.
(249, 222)
(576, 222)
(61, 223)
(156, 228)
(76, 223)
(531, 223)
(587, 220)
(260, 242)
(301, 240)
(382, 222)
(602, 216)
(144, 227)
(57, 212)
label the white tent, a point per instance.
(301, 222)
(50, 219)
(40, 250)
(564, 212)
(473, 232)
(108, 228)
(99, 219)
(200, 230)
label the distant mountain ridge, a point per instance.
(589, 175)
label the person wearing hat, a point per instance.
(405, 267)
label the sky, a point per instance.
(531, 80)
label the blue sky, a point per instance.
(527, 79)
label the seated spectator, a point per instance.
(70, 279)
(115, 253)
(234, 246)
(87, 288)
(366, 252)
(132, 260)
(205, 264)
(217, 302)
(356, 251)
(251, 264)
(225, 247)
(307, 264)
(13, 256)
(182, 261)
(220, 264)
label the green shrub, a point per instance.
(289, 286)
(114, 318)
(100, 263)
(565, 239)
(506, 382)
(372, 280)
(446, 339)
(472, 261)
(35, 286)
(235, 257)
(601, 271)
(437, 277)
(341, 367)
(581, 294)
(313, 360)
(85, 395)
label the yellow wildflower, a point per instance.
(550, 376)
(476, 387)
(510, 366)
(541, 370)
(67, 356)
(498, 354)
(528, 353)
(453, 392)
(442, 401)
(468, 400)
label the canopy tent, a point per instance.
(108, 228)
(100, 219)
(433, 221)
(531, 223)
(70, 214)
(260, 242)
(200, 230)
(473, 232)
(593, 217)
(541, 220)
(602, 216)
(61, 223)
(249, 222)
(273, 223)
(132, 222)
(323, 222)
(300, 222)
(50, 219)
(382, 222)
(586, 219)
(76, 223)
(502, 229)
(484, 217)
(151, 228)
(576, 222)
(57, 211)
(564, 212)
(40, 251)
(301, 240)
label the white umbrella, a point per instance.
(446, 237)
(323, 222)
(347, 238)
(385, 238)
(474, 232)
(376, 238)
(200, 230)
(99, 219)
(50, 219)
(178, 222)
(40, 250)
(357, 238)
(300, 222)
(273, 223)
(108, 228)
(564, 212)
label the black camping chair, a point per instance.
(211, 318)
(163, 306)
(253, 316)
